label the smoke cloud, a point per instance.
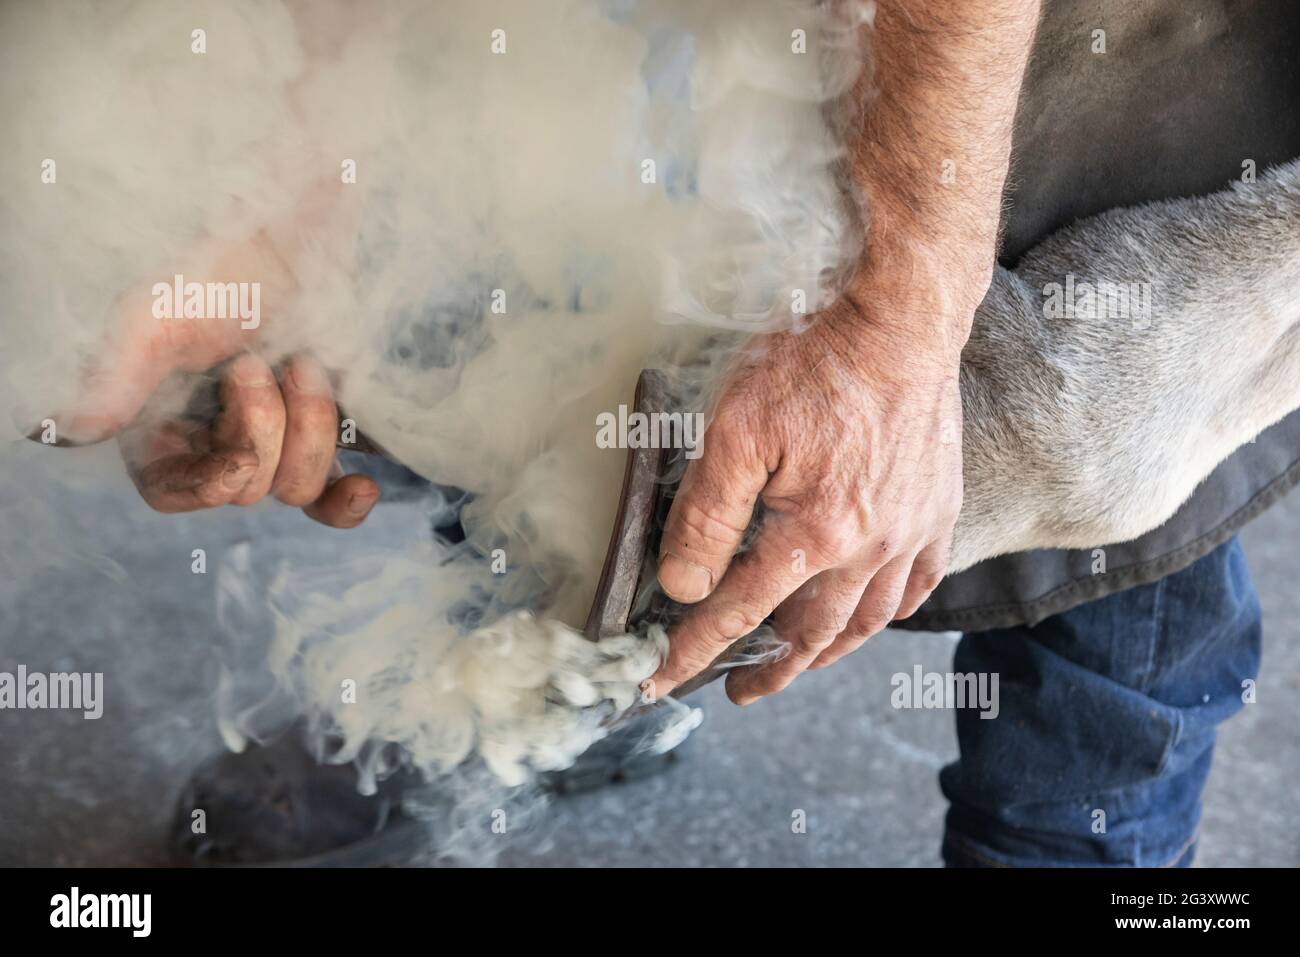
(484, 219)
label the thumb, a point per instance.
(709, 516)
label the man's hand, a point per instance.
(275, 435)
(850, 433)
(276, 431)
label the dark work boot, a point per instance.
(275, 805)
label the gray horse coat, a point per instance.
(1187, 97)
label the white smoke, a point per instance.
(549, 197)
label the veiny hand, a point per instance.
(275, 434)
(850, 433)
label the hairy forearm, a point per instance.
(930, 157)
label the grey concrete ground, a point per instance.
(95, 582)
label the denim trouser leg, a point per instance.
(1106, 724)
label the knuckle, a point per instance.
(301, 481)
(875, 615)
(908, 608)
(846, 644)
(853, 639)
(833, 542)
(814, 641)
(849, 641)
(730, 436)
(926, 575)
(875, 625)
(257, 423)
(264, 413)
(704, 531)
(939, 556)
(819, 628)
(728, 624)
(296, 493)
(929, 581)
(311, 414)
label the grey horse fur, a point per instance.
(1092, 429)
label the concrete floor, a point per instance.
(93, 581)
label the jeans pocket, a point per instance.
(1062, 733)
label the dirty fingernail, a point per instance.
(361, 502)
(683, 580)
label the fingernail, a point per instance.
(255, 379)
(308, 376)
(361, 502)
(251, 372)
(684, 581)
(236, 475)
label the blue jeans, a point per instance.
(1106, 726)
